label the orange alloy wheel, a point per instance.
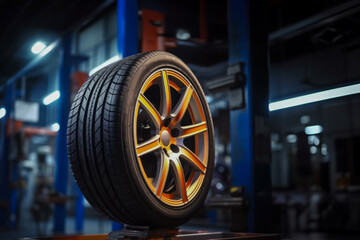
(179, 167)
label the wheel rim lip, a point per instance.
(192, 187)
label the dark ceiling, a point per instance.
(27, 21)
(333, 25)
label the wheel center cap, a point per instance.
(165, 137)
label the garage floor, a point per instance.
(94, 226)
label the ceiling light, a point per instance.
(52, 97)
(182, 34)
(107, 62)
(38, 47)
(55, 127)
(305, 119)
(291, 138)
(48, 49)
(324, 149)
(315, 97)
(312, 130)
(2, 112)
(313, 149)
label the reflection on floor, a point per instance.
(96, 226)
(324, 236)
(28, 228)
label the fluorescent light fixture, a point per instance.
(107, 62)
(312, 130)
(48, 49)
(315, 97)
(2, 112)
(52, 97)
(55, 127)
(38, 47)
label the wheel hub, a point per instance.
(165, 137)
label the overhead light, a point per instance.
(182, 34)
(107, 62)
(2, 112)
(313, 149)
(305, 119)
(312, 130)
(48, 49)
(315, 97)
(291, 138)
(52, 97)
(38, 47)
(55, 127)
(324, 149)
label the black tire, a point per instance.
(104, 157)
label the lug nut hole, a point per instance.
(174, 148)
(175, 132)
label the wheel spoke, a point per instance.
(148, 146)
(163, 174)
(150, 109)
(191, 130)
(191, 158)
(179, 179)
(181, 106)
(165, 95)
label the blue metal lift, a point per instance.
(5, 189)
(127, 37)
(250, 143)
(61, 158)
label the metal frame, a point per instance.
(5, 190)
(250, 158)
(127, 27)
(319, 20)
(127, 37)
(61, 158)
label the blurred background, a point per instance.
(282, 78)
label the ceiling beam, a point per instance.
(319, 20)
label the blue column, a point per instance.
(127, 40)
(79, 210)
(115, 226)
(127, 27)
(5, 191)
(14, 195)
(61, 158)
(250, 143)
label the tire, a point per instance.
(140, 141)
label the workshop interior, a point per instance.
(206, 119)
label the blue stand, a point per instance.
(61, 158)
(250, 142)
